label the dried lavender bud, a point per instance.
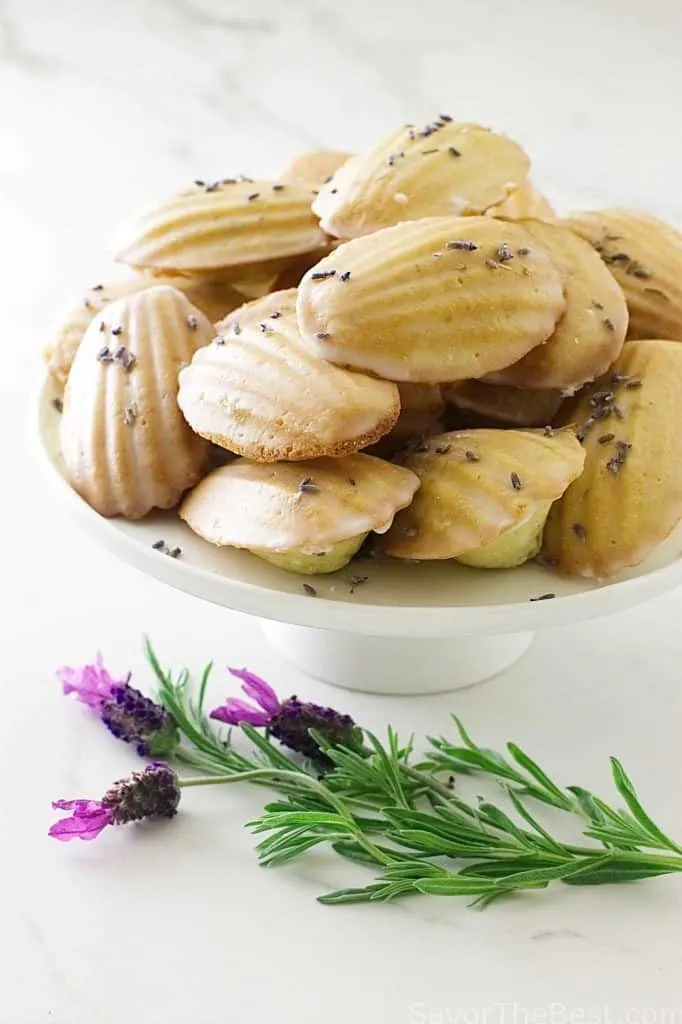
(307, 486)
(516, 482)
(459, 244)
(309, 590)
(322, 275)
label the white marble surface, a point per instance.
(101, 105)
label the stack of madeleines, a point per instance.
(407, 342)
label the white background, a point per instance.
(102, 106)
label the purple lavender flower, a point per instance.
(153, 791)
(89, 818)
(127, 713)
(289, 721)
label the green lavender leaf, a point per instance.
(528, 764)
(629, 794)
(455, 885)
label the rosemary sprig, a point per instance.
(376, 807)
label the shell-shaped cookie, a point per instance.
(222, 224)
(315, 167)
(75, 319)
(495, 405)
(629, 497)
(438, 169)
(477, 483)
(126, 446)
(213, 296)
(305, 506)
(524, 203)
(590, 335)
(420, 407)
(644, 255)
(258, 391)
(432, 301)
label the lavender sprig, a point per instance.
(417, 828)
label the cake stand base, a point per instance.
(395, 665)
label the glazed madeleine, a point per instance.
(523, 203)
(629, 497)
(222, 224)
(478, 484)
(257, 391)
(308, 517)
(590, 335)
(431, 301)
(495, 405)
(439, 169)
(315, 167)
(75, 319)
(126, 446)
(213, 296)
(644, 255)
(420, 407)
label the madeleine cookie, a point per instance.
(590, 334)
(421, 405)
(222, 224)
(431, 301)
(495, 405)
(314, 168)
(484, 487)
(214, 297)
(524, 203)
(309, 517)
(629, 497)
(645, 256)
(439, 169)
(126, 447)
(257, 391)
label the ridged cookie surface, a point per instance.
(257, 391)
(644, 255)
(437, 169)
(629, 497)
(213, 296)
(222, 224)
(126, 445)
(431, 301)
(477, 483)
(305, 506)
(590, 334)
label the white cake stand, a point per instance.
(405, 629)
